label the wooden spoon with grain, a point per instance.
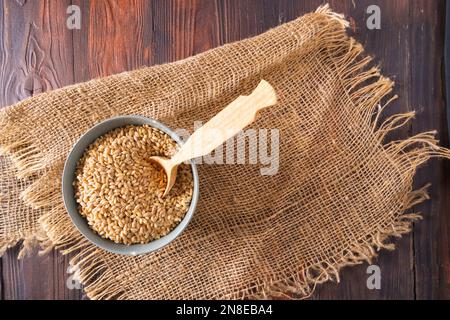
(223, 126)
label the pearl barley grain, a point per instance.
(119, 191)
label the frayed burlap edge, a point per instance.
(101, 283)
(28, 243)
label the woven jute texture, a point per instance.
(339, 196)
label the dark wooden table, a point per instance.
(39, 53)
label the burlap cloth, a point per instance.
(340, 194)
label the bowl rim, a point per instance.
(68, 176)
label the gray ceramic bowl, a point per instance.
(69, 196)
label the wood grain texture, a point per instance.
(427, 94)
(38, 53)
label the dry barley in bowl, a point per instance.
(119, 191)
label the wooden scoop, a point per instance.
(223, 126)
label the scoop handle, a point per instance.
(227, 123)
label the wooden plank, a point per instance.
(36, 56)
(427, 89)
(114, 37)
(36, 277)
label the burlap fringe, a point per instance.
(37, 197)
(101, 283)
(25, 157)
(28, 244)
(302, 285)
